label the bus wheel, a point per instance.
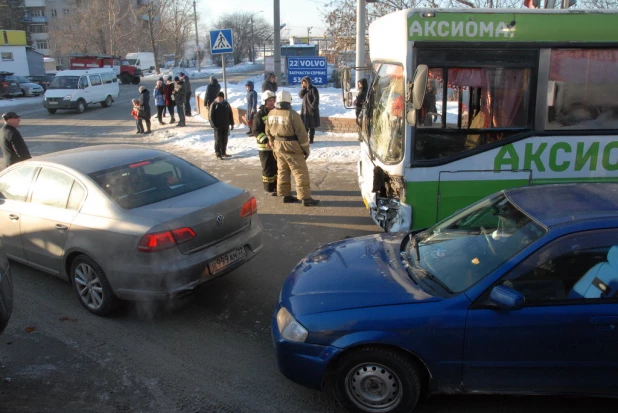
(107, 102)
(81, 107)
(51, 111)
(135, 80)
(125, 79)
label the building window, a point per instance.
(54, 13)
(7, 56)
(41, 44)
(37, 13)
(39, 28)
(65, 12)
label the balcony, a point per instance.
(34, 3)
(39, 36)
(34, 19)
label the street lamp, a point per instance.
(252, 37)
(266, 40)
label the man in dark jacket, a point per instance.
(310, 111)
(14, 148)
(267, 158)
(180, 97)
(185, 79)
(144, 107)
(270, 83)
(221, 119)
(252, 99)
(212, 90)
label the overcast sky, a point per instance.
(296, 14)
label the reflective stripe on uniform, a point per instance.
(278, 120)
(269, 179)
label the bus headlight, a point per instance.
(67, 97)
(289, 328)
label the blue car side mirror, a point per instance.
(506, 298)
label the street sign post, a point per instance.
(222, 42)
(314, 67)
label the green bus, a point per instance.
(463, 103)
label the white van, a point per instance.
(76, 89)
(143, 60)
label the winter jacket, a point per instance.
(361, 97)
(268, 85)
(220, 115)
(135, 112)
(310, 111)
(259, 129)
(169, 88)
(159, 97)
(180, 92)
(252, 98)
(14, 148)
(188, 83)
(144, 102)
(284, 122)
(212, 90)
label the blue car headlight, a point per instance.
(289, 328)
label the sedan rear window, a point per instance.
(148, 181)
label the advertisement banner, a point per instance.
(314, 67)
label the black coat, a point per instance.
(14, 148)
(268, 85)
(310, 111)
(212, 90)
(144, 102)
(221, 116)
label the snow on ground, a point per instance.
(5, 103)
(207, 71)
(328, 147)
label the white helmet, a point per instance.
(267, 95)
(284, 96)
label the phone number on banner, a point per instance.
(314, 79)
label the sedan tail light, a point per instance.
(159, 241)
(249, 208)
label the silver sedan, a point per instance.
(123, 222)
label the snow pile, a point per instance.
(207, 71)
(5, 103)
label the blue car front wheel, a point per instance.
(376, 380)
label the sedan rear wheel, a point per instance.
(376, 380)
(91, 286)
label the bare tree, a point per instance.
(244, 38)
(178, 24)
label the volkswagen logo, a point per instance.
(220, 220)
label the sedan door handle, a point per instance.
(604, 322)
(13, 217)
(61, 227)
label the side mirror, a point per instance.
(419, 87)
(411, 117)
(506, 298)
(346, 89)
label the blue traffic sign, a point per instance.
(314, 67)
(221, 41)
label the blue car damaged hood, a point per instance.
(353, 273)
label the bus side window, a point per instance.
(582, 89)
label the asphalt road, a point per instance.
(212, 352)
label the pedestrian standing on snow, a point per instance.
(180, 97)
(252, 99)
(144, 107)
(310, 111)
(267, 158)
(185, 79)
(14, 148)
(135, 114)
(288, 138)
(270, 83)
(159, 98)
(212, 90)
(222, 120)
(169, 98)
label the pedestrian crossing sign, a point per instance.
(221, 41)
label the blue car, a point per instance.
(517, 293)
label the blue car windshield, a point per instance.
(466, 247)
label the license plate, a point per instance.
(52, 103)
(226, 259)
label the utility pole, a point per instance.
(308, 32)
(360, 39)
(252, 43)
(197, 40)
(277, 39)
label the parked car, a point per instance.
(124, 222)
(28, 87)
(6, 291)
(43, 81)
(9, 86)
(517, 293)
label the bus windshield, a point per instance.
(64, 82)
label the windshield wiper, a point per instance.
(414, 244)
(438, 281)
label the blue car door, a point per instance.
(561, 341)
